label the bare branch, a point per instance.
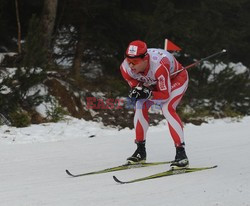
(19, 28)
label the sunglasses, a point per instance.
(135, 59)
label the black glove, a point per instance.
(140, 93)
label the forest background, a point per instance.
(59, 53)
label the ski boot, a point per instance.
(181, 160)
(139, 155)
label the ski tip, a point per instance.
(68, 172)
(118, 181)
(224, 50)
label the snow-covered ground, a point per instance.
(33, 162)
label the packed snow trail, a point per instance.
(33, 162)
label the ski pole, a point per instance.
(201, 60)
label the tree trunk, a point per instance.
(18, 28)
(48, 21)
(78, 54)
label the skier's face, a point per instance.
(137, 65)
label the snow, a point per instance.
(7, 72)
(2, 55)
(33, 162)
(237, 68)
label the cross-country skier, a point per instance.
(148, 72)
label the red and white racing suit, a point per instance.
(167, 92)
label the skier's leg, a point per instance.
(141, 119)
(141, 123)
(180, 84)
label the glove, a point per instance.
(140, 93)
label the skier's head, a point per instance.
(136, 49)
(137, 56)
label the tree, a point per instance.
(48, 22)
(80, 46)
(90, 23)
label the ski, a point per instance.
(117, 168)
(164, 174)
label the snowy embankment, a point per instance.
(33, 162)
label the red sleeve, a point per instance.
(163, 86)
(132, 82)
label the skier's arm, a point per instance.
(163, 86)
(132, 82)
